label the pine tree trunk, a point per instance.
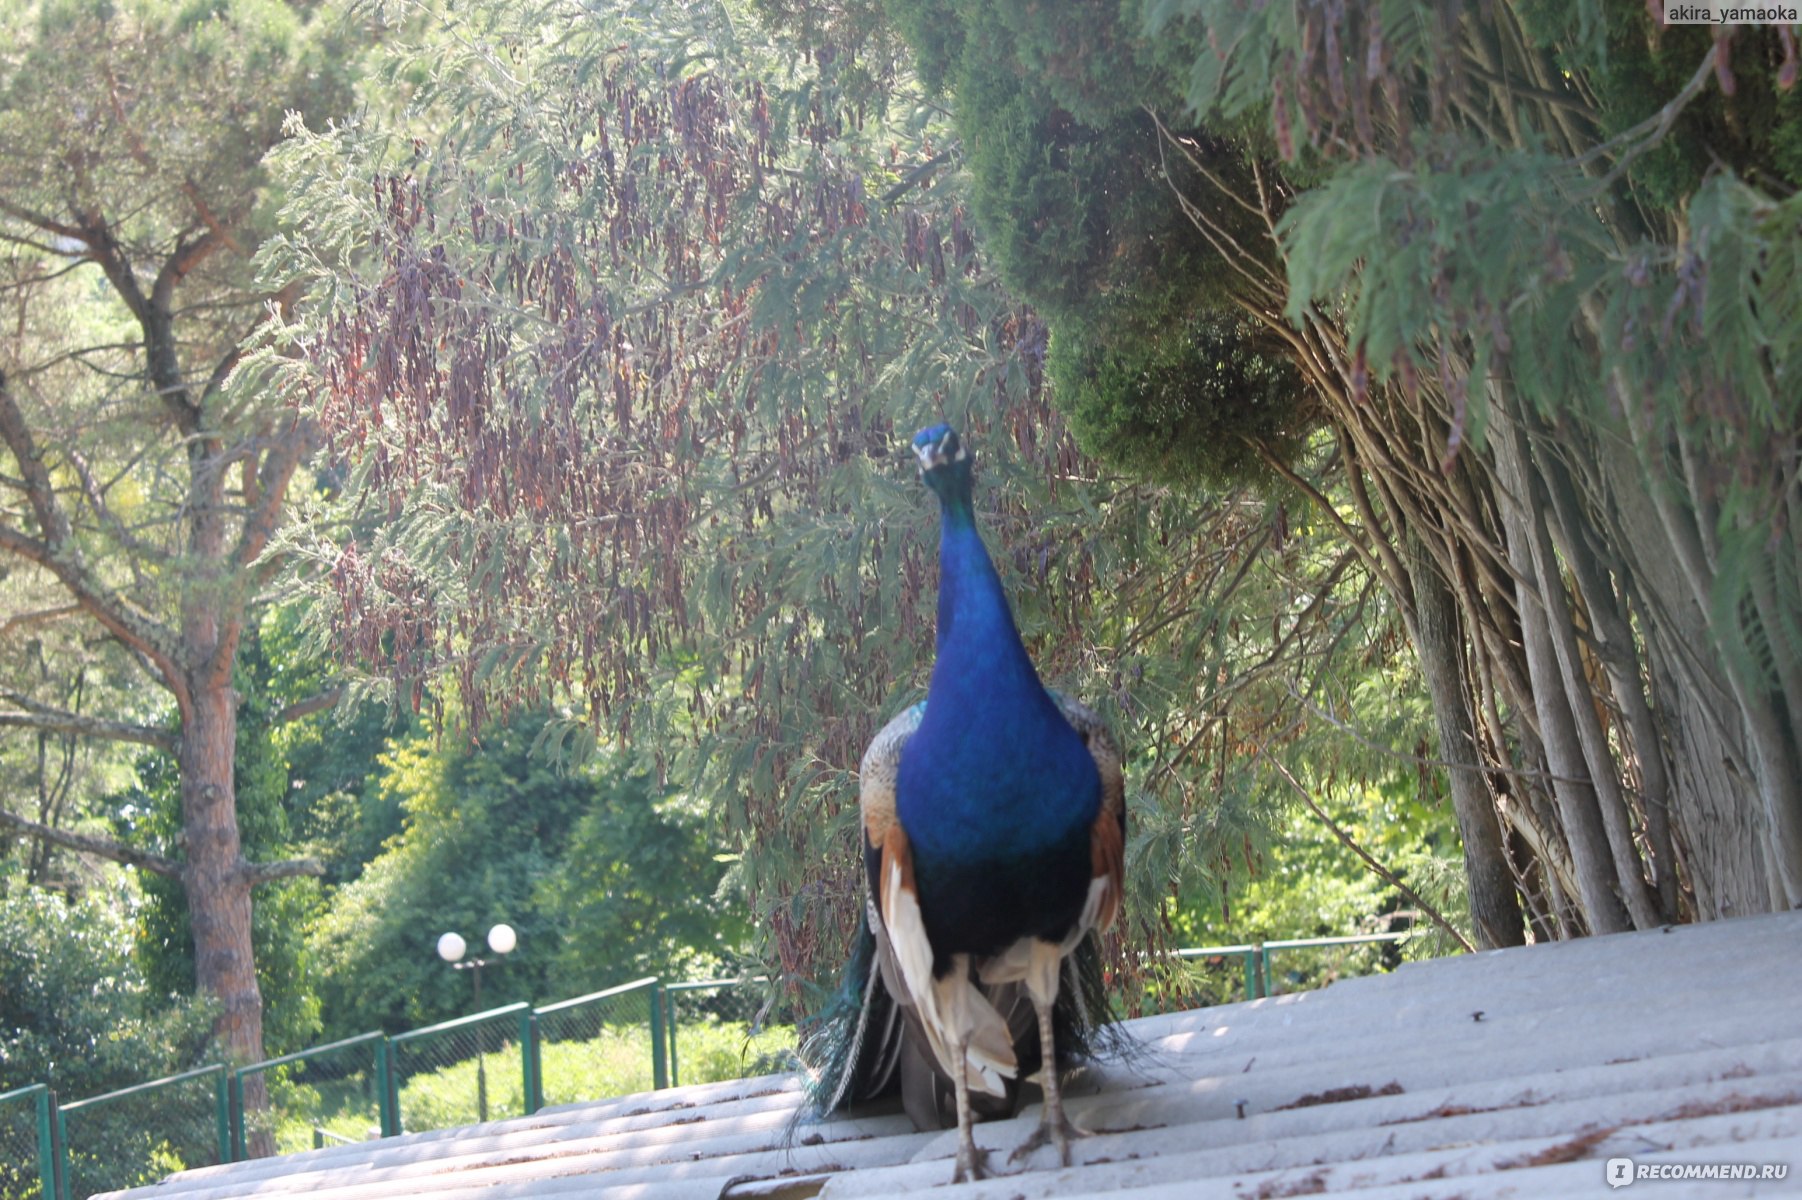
(218, 892)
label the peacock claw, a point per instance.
(972, 1164)
(1057, 1130)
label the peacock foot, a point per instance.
(972, 1164)
(1055, 1129)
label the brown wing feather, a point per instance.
(877, 773)
(1108, 839)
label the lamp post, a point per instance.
(451, 946)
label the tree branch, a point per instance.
(103, 512)
(40, 221)
(99, 847)
(187, 256)
(318, 702)
(34, 715)
(1378, 868)
(39, 616)
(33, 475)
(56, 554)
(272, 480)
(293, 868)
(104, 250)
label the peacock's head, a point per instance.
(944, 462)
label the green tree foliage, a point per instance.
(1533, 266)
(603, 875)
(141, 489)
(1079, 201)
(76, 1008)
(79, 1012)
(641, 889)
(1594, 287)
(1187, 404)
(621, 357)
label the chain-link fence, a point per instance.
(463, 1071)
(726, 1029)
(140, 1134)
(27, 1145)
(605, 1044)
(338, 1092)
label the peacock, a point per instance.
(994, 834)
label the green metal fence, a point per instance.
(704, 1017)
(1309, 963)
(1213, 972)
(608, 1043)
(1209, 975)
(27, 1144)
(340, 1091)
(140, 1134)
(505, 1062)
(464, 1071)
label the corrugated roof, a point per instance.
(1509, 1073)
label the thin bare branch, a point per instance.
(99, 847)
(33, 714)
(1377, 868)
(317, 702)
(39, 616)
(293, 868)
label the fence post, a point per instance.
(62, 1155)
(532, 1098)
(672, 1023)
(389, 1104)
(222, 1113)
(659, 1064)
(43, 1106)
(49, 1160)
(240, 1148)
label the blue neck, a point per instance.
(993, 763)
(977, 639)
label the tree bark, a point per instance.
(1495, 912)
(213, 875)
(1604, 775)
(1714, 781)
(1615, 646)
(1578, 812)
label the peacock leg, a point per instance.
(972, 1162)
(1054, 1126)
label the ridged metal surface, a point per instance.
(1517, 1073)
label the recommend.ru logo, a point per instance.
(1619, 1172)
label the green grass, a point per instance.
(346, 1108)
(708, 1050)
